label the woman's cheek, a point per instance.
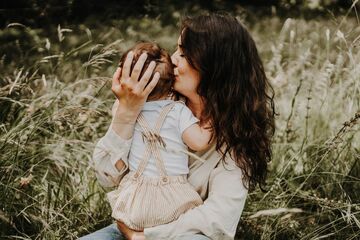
(179, 87)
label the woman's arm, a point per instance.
(110, 155)
(218, 217)
(107, 155)
(131, 93)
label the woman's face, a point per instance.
(187, 78)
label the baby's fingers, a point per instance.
(115, 86)
(135, 74)
(152, 84)
(116, 77)
(146, 76)
(127, 65)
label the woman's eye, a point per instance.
(182, 55)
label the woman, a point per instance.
(220, 74)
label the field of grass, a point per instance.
(55, 102)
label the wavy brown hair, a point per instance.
(238, 96)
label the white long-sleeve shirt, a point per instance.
(219, 184)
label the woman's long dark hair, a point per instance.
(235, 89)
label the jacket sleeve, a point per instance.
(217, 217)
(108, 150)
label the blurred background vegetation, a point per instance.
(57, 59)
(41, 13)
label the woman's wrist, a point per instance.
(125, 114)
(123, 121)
(125, 131)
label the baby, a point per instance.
(156, 190)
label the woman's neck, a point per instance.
(196, 105)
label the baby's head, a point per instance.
(163, 65)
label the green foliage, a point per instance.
(55, 102)
(315, 4)
(39, 13)
(314, 71)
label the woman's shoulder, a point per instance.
(225, 163)
(228, 164)
(225, 166)
(212, 160)
(208, 169)
(225, 172)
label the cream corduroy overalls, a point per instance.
(146, 201)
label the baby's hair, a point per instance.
(163, 65)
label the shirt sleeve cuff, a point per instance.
(118, 146)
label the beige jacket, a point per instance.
(219, 185)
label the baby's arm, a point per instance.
(197, 137)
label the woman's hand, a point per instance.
(131, 93)
(129, 233)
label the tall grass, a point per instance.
(55, 103)
(314, 69)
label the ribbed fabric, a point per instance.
(143, 201)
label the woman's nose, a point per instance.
(173, 59)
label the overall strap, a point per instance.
(152, 139)
(162, 117)
(146, 135)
